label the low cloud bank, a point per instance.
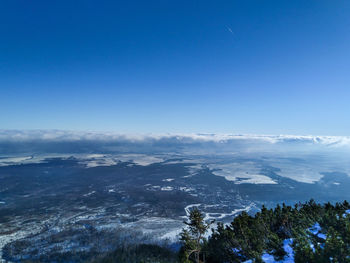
(73, 141)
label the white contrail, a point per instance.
(229, 30)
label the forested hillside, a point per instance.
(308, 232)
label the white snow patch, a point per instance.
(140, 159)
(163, 228)
(100, 162)
(186, 189)
(95, 160)
(167, 188)
(240, 173)
(88, 194)
(95, 155)
(172, 235)
(211, 216)
(15, 159)
(168, 180)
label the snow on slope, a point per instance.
(246, 172)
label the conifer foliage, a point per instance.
(192, 238)
(308, 232)
(305, 233)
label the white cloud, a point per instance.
(60, 135)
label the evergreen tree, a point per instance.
(193, 238)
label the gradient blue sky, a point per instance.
(268, 67)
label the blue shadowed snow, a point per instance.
(347, 212)
(268, 258)
(312, 247)
(315, 228)
(289, 258)
(322, 236)
(287, 246)
(236, 251)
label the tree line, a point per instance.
(318, 233)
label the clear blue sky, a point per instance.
(268, 67)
